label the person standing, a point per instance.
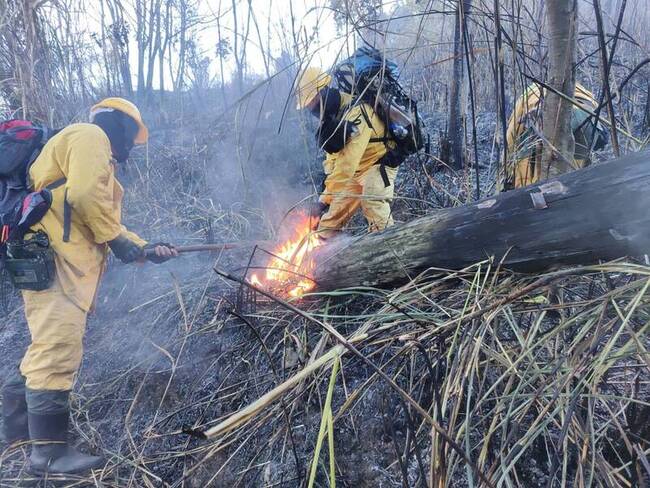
(354, 139)
(83, 224)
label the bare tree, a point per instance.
(26, 60)
(148, 15)
(156, 43)
(182, 50)
(559, 143)
(119, 39)
(223, 49)
(454, 145)
(238, 61)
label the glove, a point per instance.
(125, 249)
(167, 252)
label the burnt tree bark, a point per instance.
(454, 145)
(592, 214)
(559, 143)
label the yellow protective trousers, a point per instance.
(57, 327)
(367, 191)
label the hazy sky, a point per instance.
(313, 21)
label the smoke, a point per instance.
(251, 159)
(264, 156)
(224, 167)
(214, 171)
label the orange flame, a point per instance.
(290, 268)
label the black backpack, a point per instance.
(20, 144)
(369, 77)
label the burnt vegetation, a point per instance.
(472, 377)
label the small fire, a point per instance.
(290, 267)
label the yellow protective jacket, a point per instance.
(523, 144)
(81, 154)
(359, 153)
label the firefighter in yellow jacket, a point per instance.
(353, 138)
(525, 147)
(83, 223)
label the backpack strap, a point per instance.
(365, 116)
(56, 184)
(67, 209)
(384, 139)
(67, 217)
(384, 175)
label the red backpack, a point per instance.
(21, 142)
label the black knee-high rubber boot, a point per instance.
(14, 413)
(48, 416)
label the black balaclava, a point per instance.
(329, 103)
(121, 131)
(332, 133)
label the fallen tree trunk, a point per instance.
(601, 212)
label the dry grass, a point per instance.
(541, 381)
(552, 369)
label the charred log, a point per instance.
(593, 214)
